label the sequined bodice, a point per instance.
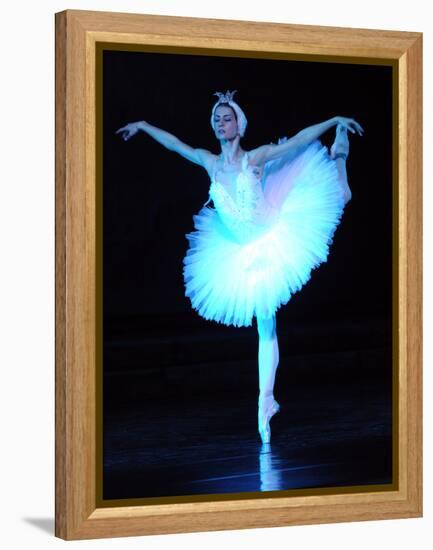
(245, 213)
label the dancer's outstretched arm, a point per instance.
(271, 151)
(202, 157)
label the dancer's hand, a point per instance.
(350, 124)
(129, 130)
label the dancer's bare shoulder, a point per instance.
(206, 159)
(257, 156)
(199, 156)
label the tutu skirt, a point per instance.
(229, 281)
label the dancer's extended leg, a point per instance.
(340, 152)
(268, 364)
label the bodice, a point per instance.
(244, 210)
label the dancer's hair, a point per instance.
(227, 99)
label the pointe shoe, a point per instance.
(340, 147)
(264, 418)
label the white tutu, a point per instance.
(240, 264)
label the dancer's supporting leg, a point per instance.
(268, 363)
(340, 152)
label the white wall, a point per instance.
(27, 270)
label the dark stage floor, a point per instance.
(192, 430)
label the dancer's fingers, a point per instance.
(359, 128)
(355, 127)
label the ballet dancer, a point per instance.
(276, 208)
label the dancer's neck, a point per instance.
(231, 152)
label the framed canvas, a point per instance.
(156, 394)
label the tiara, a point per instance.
(225, 98)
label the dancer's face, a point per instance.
(226, 126)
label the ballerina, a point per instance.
(276, 208)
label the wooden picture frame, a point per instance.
(78, 514)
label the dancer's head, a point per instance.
(227, 115)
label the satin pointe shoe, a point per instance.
(267, 408)
(340, 147)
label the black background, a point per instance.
(151, 193)
(157, 349)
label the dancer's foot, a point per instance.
(340, 147)
(340, 150)
(267, 408)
